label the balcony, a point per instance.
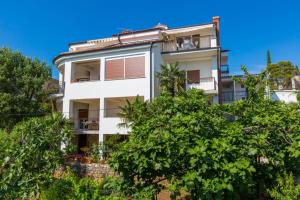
(57, 90)
(85, 116)
(85, 71)
(224, 69)
(194, 42)
(206, 84)
(231, 96)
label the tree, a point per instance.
(280, 74)
(21, 92)
(269, 61)
(172, 79)
(130, 111)
(31, 154)
(191, 144)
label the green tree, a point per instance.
(31, 153)
(172, 79)
(21, 92)
(190, 143)
(269, 61)
(280, 74)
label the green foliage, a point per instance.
(69, 187)
(285, 189)
(280, 74)
(188, 142)
(96, 152)
(298, 97)
(269, 61)
(71, 149)
(130, 111)
(255, 85)
(31, 155)
(172, 79)
(59, 189)
(21, 91)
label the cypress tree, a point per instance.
(269, 61)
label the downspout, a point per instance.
(220, 86)
(119, 38)
(151, 82)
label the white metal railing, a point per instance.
(205, 84)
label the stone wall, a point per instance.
(93, 170)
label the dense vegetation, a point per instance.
(179, 142)
(21, 91)
(209, 151)
(30, 154)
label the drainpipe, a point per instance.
(151, 82)
(220, 86)
(119, 38)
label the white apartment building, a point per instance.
(97, 76)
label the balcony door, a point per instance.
(83, 115)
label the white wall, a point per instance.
(286, 96)
(102, 89)
(203, 65)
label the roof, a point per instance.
(138, 31)
(95, 49)
(114, 46)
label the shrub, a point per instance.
(32, 153)
(286, 188)
(298, 97)
(96, 152)
(59, 189)
(73, 187)
(70, 149)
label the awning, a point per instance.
(187, 30)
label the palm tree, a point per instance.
(171, 78)
(130, 111)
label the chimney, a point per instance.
(216, 21)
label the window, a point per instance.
(135, 67)
(114, 69)
(124, 68)
(193, 76)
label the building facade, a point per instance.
(97, 76)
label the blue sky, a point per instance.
(43, 29)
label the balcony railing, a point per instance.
(187, 44)
(230, 96)
(206, 84)
(224, 69)
(57, 89)
(88, 124)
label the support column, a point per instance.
(102, 69)
(101, 120)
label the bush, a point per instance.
(59, 189)
(286, 188)
(69, 186)
(31, 154)
(70, 149)
(298, 97)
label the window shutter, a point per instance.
(114, 69)
(193, 76)
(135, 67)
